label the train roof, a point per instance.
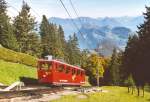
(61, 63)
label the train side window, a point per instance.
(78, 72)
(46, 66)
(60, 68)
(81, 73)
(50, 65)
(67, 70)
(73, 71)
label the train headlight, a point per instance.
(44, 76)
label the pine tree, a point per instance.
(57, 48)
(61, 42)
(143, 56)
(144, 48)
(45, 37)
(114, 68)
(73, 51)
(24, 25)
(130, 56)
(137, 56)
(84, 58)
(7, 38)
(34, 45)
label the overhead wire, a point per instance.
(75, 10)
(82, 35)
(18, 10)
(34, 10)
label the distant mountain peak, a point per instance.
(98, 30)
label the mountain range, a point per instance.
(100, 33)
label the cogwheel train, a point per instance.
(55, 72)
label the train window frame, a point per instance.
(60, 68)
(78, 72)
(67, 70)
(45, 66)
(73, 71)
(82, 73)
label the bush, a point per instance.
(16, 57)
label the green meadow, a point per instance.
(114, 94)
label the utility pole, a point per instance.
(97, 76)
(98, 71)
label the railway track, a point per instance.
(37, 91)
(34, 92)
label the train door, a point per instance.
(68, 74)
(45, 71)
(59, 73)
(78, 73)
(73, 75)
(82, 74)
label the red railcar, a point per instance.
(56, 72)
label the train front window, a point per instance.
(46, 66)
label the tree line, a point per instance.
(137, 54)
(22, 34)
(131, 67)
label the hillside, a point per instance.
(95, 34)
(11, 72)
(14, 65)
(16, 57)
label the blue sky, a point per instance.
(88, 8)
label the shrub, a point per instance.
(129, 81)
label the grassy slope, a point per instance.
(10, 72)
(115, 94)
(16, 57)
